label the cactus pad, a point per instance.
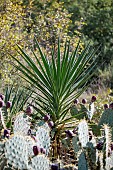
(82, 163)
(44, 125)
(16, 152)
(21, 124)
(107, 118)
(39, 162)
(83, 133)
(30, 143)
(75, 143)
(43, 138)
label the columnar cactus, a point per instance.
(101, 163)
(107, 136)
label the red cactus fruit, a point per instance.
(29, 110)
(36, 150)
(29, 132)
(8, 104)
(76, 101)
(54, 167)
(75, 131)
(100, 145)
(46, 118)
(111, 106)
(50, 124)
(2, 97)
(93, 99)
(84, 101)
(69, 133)
(34, 137)
(6, 132)
(106, 106)
(111, 146)
(7, 136)
(1, 103)
(42, 150)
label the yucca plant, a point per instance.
(15, 99)
(57, 81)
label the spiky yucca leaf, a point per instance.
(59, 80)
(18, 97)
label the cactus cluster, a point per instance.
(94, 152)
(26, 148)
(19, 150)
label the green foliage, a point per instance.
(97, 16)
(59, 81)
(22, 20)
(106, 76)
(18, 98)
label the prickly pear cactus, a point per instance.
(43, 138)
(83, 133)
(30, 143)
(16, 152)
(92, 155)
(75, 143)
(44, 124)
(107, 118)
(39, 162)
(21, 124)
(82, 163)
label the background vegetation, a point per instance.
(22, 20)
